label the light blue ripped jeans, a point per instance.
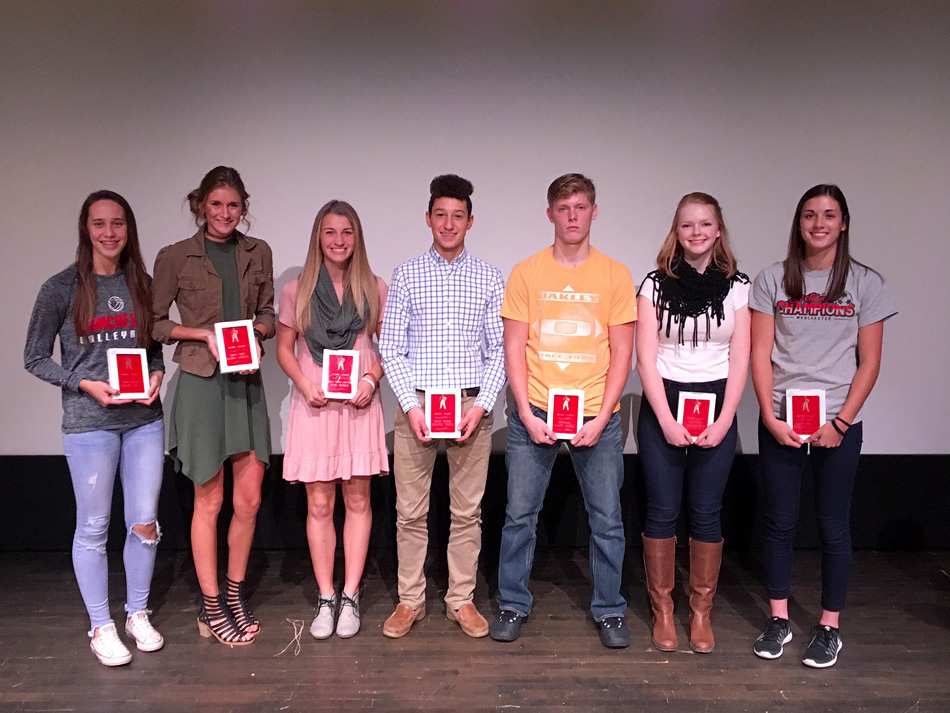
(94, 457)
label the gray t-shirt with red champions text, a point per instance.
(816, 342)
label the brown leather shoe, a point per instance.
(400, 621)
(659, 560)
(704, 561)
(467, 617)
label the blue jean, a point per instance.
(94, 457)
(665, 468)
(834, 471)
(600, 472)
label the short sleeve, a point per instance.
(623, 303)
(875, 299)
(515, 304)
(762, 296)
(288, 298)
(648, 288)
(740, 294)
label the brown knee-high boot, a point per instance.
(704, 561)
(659, 561)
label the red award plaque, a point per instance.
(128, 373)
(565, 411)
(237, 346)
(805, 410)
(696, 411)
(340, 373)
(443, 412)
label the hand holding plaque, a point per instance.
(237, 346)
(565, 412)
(128, 373)
(340, 373)
(696, 411)
(805, 410)
(443, 409)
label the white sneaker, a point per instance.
(322, 626)
(140, 628)
(348, 623)
(108, 647)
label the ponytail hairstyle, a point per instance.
(216, 178)
(130, 262)
(358, 279)
(793, 279)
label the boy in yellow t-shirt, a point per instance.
(569, 314)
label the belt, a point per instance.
(472, 392)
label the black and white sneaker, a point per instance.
(823, 650)
(772, 640)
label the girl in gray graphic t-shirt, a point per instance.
(817, 324)
(101, 302)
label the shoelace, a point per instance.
(351, 602)
(775, 631)
(324, 602)
(109, 636)
(825, 640)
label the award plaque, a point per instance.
(237, 346)
(128, 373)
(443, 412)
(340, 373)
(565, 412)
(805, 410)
(696, 411)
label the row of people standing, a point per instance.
(565, 320)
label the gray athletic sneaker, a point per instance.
(322, 626)
(348, 623)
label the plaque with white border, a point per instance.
(340, 376)
(443, 409)
(805, 410)
(128, 373)
(565, 412)
(696, 411)
(237, 346)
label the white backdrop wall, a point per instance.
(753, 102)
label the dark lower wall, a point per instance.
(900, 502)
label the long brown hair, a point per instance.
(793, 279)
(358, 278)
(130, 262)
(723, 259)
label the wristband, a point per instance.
(369, 379)
(838, 418)
(834, 425)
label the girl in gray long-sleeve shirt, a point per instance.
(101, 302)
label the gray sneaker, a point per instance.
(322, 626)
(348, 623)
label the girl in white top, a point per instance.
(693, 336)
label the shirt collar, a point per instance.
(439, 260)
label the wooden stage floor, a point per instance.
(896, 654)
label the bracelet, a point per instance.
(369, 379)
(834, 425)
(258, 336)
(838, 418)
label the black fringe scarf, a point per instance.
(691, 295)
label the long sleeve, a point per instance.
(164, 290)
(494, 376)
(394, 342)
(49, 313)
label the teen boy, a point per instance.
(442, 329)
(569, 314)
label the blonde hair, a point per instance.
(671, 251)
(358, 279)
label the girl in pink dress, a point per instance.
(336, 303)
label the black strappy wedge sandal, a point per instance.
(237, 605)
(215, 619)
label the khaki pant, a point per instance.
(468, 471)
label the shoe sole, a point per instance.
(121, 661)
(814, 664)
(770, 657)
(399, 633)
